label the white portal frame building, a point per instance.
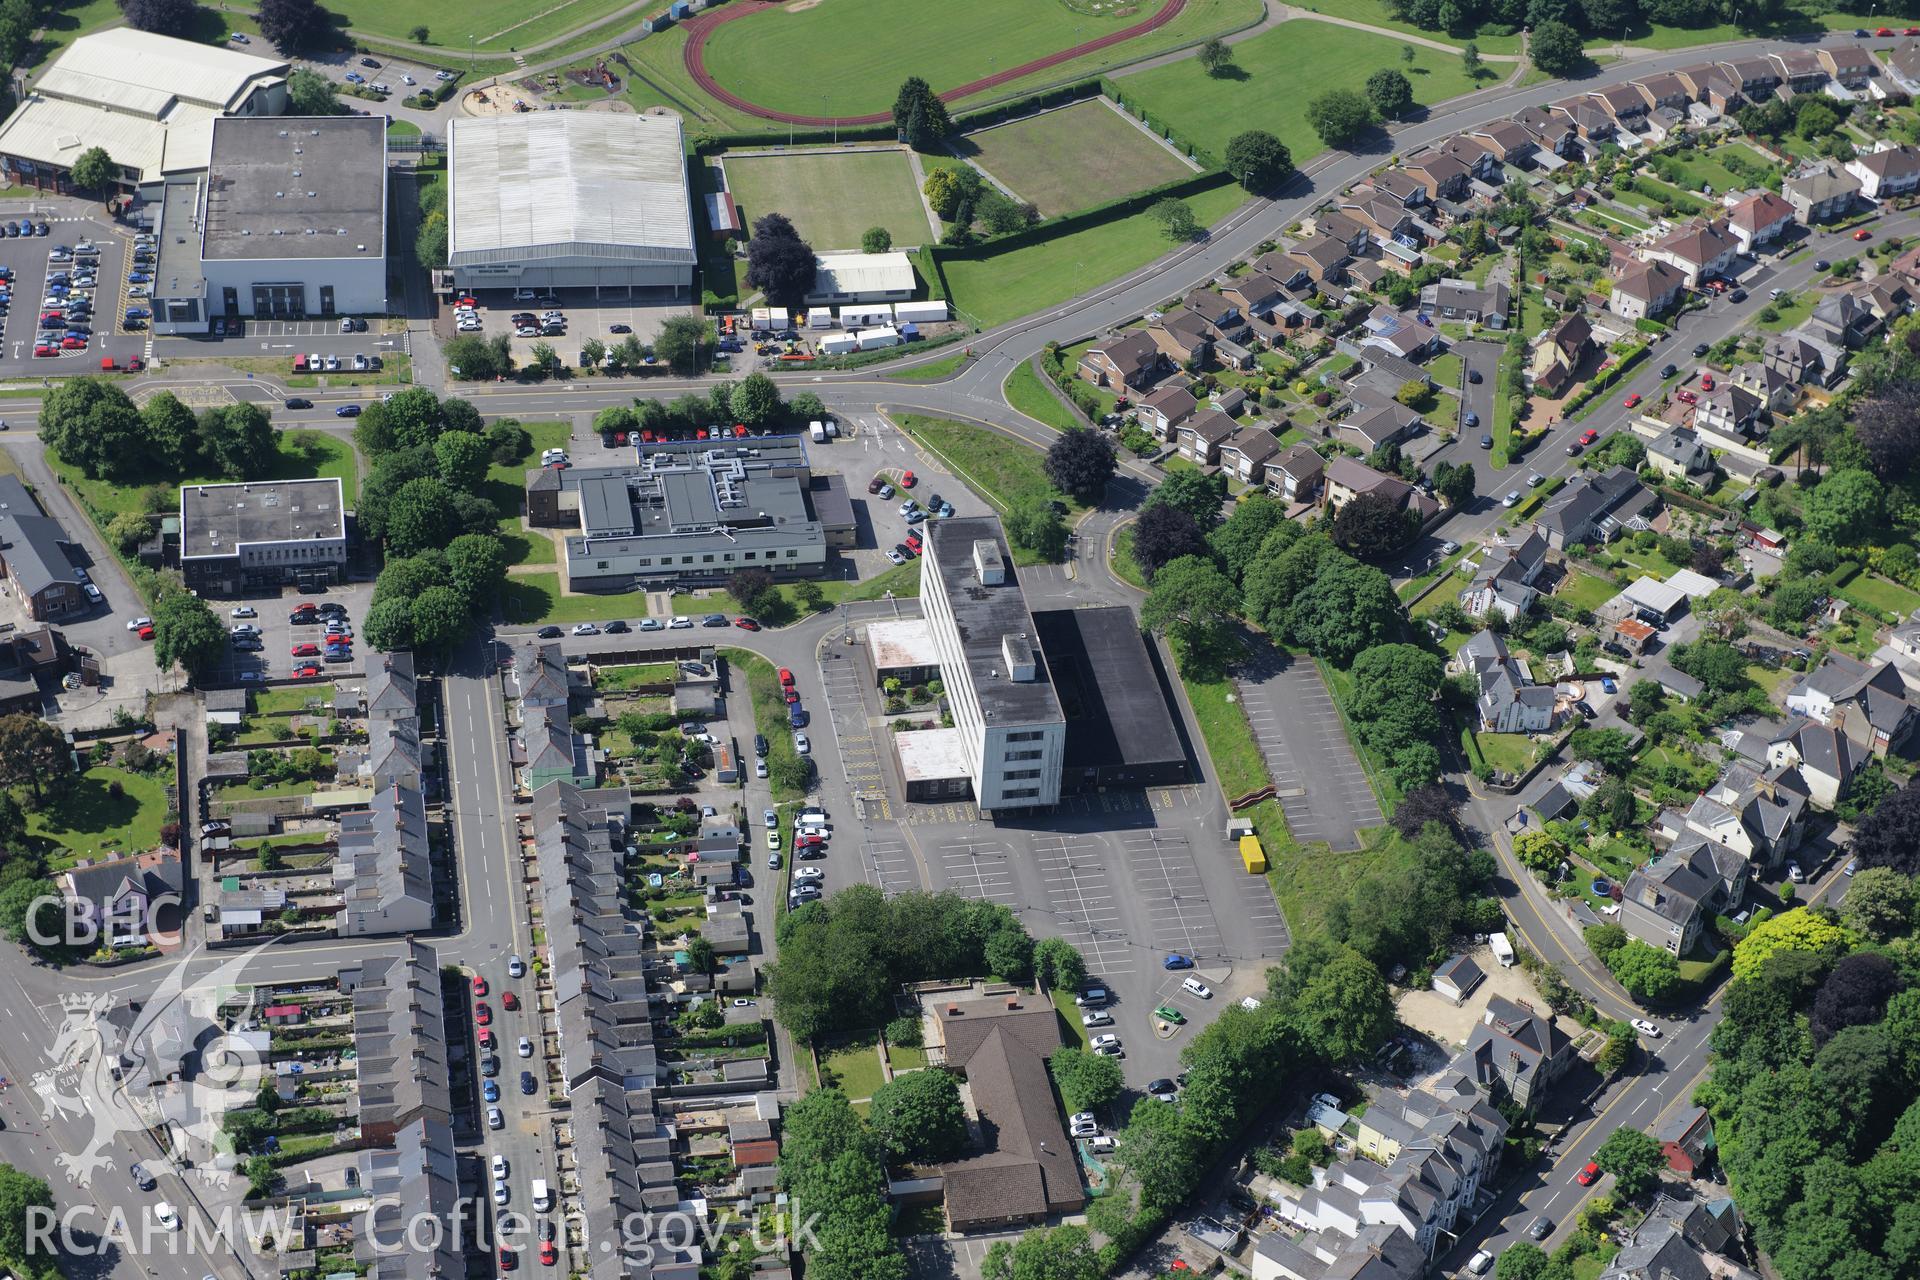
(1013, 730)
(571, 200)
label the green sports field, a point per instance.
(1269, 92)
(848, 57)
(1069, 159)
(832, 198)
(492, 24)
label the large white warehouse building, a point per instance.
(289, 223)
(571, 200)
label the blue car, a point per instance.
(526, 1082)
(797, 716)
(490, 1090)
(1177, 961)
(347, 411)
(139, 277)
(138, 313)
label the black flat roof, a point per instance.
(1108, 687)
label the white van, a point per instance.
(812, 818)
(817, 432)
(542, 1197)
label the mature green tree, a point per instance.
(1058, 964)
(476, 567)
(31, 909)
(389, 625)
(470, 357)
(678, 344)
(592, 352)
(1845, 508)
(1176, 219)
(1009, 953)
(779, 263)
(1556, 49)
(412, 418)
(1087, 1081)
(919, 116)
(1032, 524)
(439, 619)
(1164, 1156)
(1522, 1260)
(1239, 540)
(1802, 929)
(462, 459)
(1390, 92)
(292, 25)
(1258, 160)
(1197, 493)
(1470, 60)
(172, 434)
(91, 424)
(616, 418)
(20, 1192)
(33, 754)
(186, 634)
(919, 1116)
(1339, 116)
(1048, 1253)
(94, 170)
(876, 240)
(1611, 749)
(1347, 607)
(128, 530)
(1194, 605)
(1215, 56)
(1371, 525)
(1650, 973)
(1633, 1158)
(1164, 533)
(1345, 1011)
(756, 401)
(239, 440)
(1880, 904)
(421, 516)
(1080, 463)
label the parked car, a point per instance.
(1588, 1175)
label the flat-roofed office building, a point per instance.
(237, 537)
(1013, 731)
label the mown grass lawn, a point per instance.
(1269, 92)
(1880, 593)
(997, 467)
(1125, 567)
(1506, 752)
(1072, 158)
(999, 287)
(538, 598)
(301, 455)
(505, 488)
(1376, 13)
(854, 1067)
(89, 820)
(931, 371)
(1584, 591)
(1028, 392)
(812, 188)
(1230, 743)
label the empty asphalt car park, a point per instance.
(1316, 776)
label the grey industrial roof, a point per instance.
(568, 183)
(832, 504)
(218, 519)
(296, 187)
(985, 616)
(1108, 687)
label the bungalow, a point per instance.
(1183, 337)
(1888, 172)
(1667, 90)
(1294, 475)
(1451, 299)
(1441, 176)
(1850, 64)
(1504, 575)
(1508, 699)
(1124, 360)
(1245, 454)
(1757, 76)
(1678, 453)
(1165, 409)
(1593, 507)
(1384, 424)
(1821, 190)
(1666, 902)
(1347, 479)
(1201, 436)
(1644, 290)
(1696, 252)
(1759, 220)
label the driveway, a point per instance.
(1316, 775)
(1476, 398)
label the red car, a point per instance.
(786, 678)
(1589, 1175)
(809, 842)
(1589, 436)
(73, 344)
(307, 672)
(482, 1014)
(793, 694)
(44, 350)
(1883, 31)
(510, 1000)
(1633, 400)
(486, 1040)
(913, 541)
(146, 632)
(746, 624)
(1863, 234)
(479, 986)
(306, 651)
(1911, 31)
(508, 1259)
(1706, 381)
(908, 480)
(548, 1255)
(1684, 396)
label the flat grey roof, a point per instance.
(297, 187)
(832, 505)
(1116, 713)
(985, 616)
(219, 519)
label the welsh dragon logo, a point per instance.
(117, 1069)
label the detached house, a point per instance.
(1697, 252)
(1510, 141)
(1760, 816)
(1452, 299)
(1294, 475)
(1886, 173)
(1666, 902)
(1759, 220)
(1645, 290)
(1398, 333)
(1165, 409)
(1505, 574)
(1441, 176)
(1347, 479)
(1729, 409)
(1508, 700)
(1516, 1049)
(1803, 359)
(1593, 507)
(1680, 454)
(1129, 360)
(1559, 353)
(1322, 258)
(1869, 701)
(1820, 191)
(127, 900)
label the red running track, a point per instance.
(699, 28)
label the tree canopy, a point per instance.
(779, 263)
(919, 1116)
(1339, 116)
(1080, 462)
(919, 116)
(1258, 160)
